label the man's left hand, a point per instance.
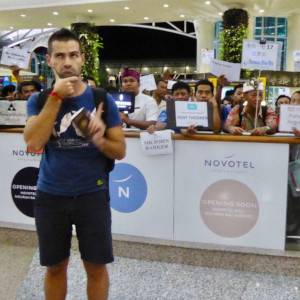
(97, 126)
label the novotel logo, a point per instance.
(229, 162)
(24, 153)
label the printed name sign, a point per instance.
(15, 57)
(289, 117)
(261, 56)
(157, 143)
(191, 113)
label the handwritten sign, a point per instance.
(232, 71)
(147, 82)
(157, 143)
(15, 56)
(257, 56)
(191, 113)
(289, 117)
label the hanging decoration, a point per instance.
(235, 30)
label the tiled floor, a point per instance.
(135, 279)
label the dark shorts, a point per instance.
(91, 215)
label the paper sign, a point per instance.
(157, 143)
(13, 113)
(191, 113)
(289, 117)
(296, 55)
(15, 56)
(147, 82)
(170, 84)
(297, 66)
(257, 56)
(231, 71)
(207, 56)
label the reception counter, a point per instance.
(214, 189)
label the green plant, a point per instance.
(235, 24)
(91, 43)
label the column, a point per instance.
(293, 41)
(205, 36)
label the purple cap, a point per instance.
(130, 72)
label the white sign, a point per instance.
(170, 84)
(15, 57)
(157, 143)
(234, 195)
(191, 113)
(289, 117)
(147, 82)
(231, 71)
(257, 56)
(297, 66)
(13, 112)
(207, 56)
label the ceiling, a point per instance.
(39, 14)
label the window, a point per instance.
(273, 29)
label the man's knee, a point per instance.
(95, 271)
(58, 269)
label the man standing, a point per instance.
(145, 108)
(72, 186)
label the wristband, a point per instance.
(55, 95)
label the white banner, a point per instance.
(233, 194)
(231, 71)
(157, 143)
(191, 113)
(257, 56)
(289, 117)
(15, 56)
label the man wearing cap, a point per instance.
(145, 108)
(242, 118)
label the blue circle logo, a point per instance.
(127, 188)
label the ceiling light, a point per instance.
(220, 14)
(11, 27)
(108, 69)
(146, 18)
(112, 20)
(126, 7)
(207, 2)
(166, 5)
(49, 24)
(182, 16)
(55, 13)
(261, 11)
(146, 69)
(23, 15)
(90, 11)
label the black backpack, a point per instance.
(99, 95)
(263, 110)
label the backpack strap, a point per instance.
(100, 95)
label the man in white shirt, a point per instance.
(145, 108)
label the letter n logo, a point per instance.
(123, 192)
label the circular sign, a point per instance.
(23, 189)
(229, 208)
(127, 188)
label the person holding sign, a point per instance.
(204, 93)
(145, 108)
(72, 187)
(252, 118)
